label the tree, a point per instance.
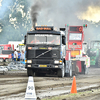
(15, 22)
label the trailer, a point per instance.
(5, 52)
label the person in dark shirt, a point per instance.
(19, 55)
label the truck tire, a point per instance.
(61, 72)
(83, 67)
(73, 69)
(70, 71)
(6, 60)
(29, 72)
(99, 62)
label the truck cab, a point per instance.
(45, 51)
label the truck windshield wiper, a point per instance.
(43, 53)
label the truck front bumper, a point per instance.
(46, 66)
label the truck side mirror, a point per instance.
(63, 41)
(24, 39)
(62, 29)
(85, 43)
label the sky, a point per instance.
(61, 12)
(4, 5)
(0, 2)
(76, 12)
(69, 11)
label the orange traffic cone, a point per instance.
(73, 89)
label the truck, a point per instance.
(5, 52)
(94, 52)
(47, 52)
(78, 49)
(18, 45)
(21, 47)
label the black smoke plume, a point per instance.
(34, 12)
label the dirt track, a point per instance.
(16, 83)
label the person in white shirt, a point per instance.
(15, 55)
(22, 56)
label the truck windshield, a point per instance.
(43, 39)
(75, 36)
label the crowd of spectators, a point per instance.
(18, 56)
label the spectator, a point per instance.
(22, 56)
(19, 55)
(15, 55)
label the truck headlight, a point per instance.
(29, 65)
(60, 61)
(56, 61)
(29, 61)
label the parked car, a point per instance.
(11, 63)
(8, 67)
(21, 67)
(3, 70)
(14, 67)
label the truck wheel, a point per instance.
(61, 72)
(99, 62)
(29, 72)
(83, 67)
(6, 60)
(70, 71)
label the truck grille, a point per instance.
(43, 54)
(43, 62)
(30, 54)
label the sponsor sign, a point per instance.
(74, 46)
